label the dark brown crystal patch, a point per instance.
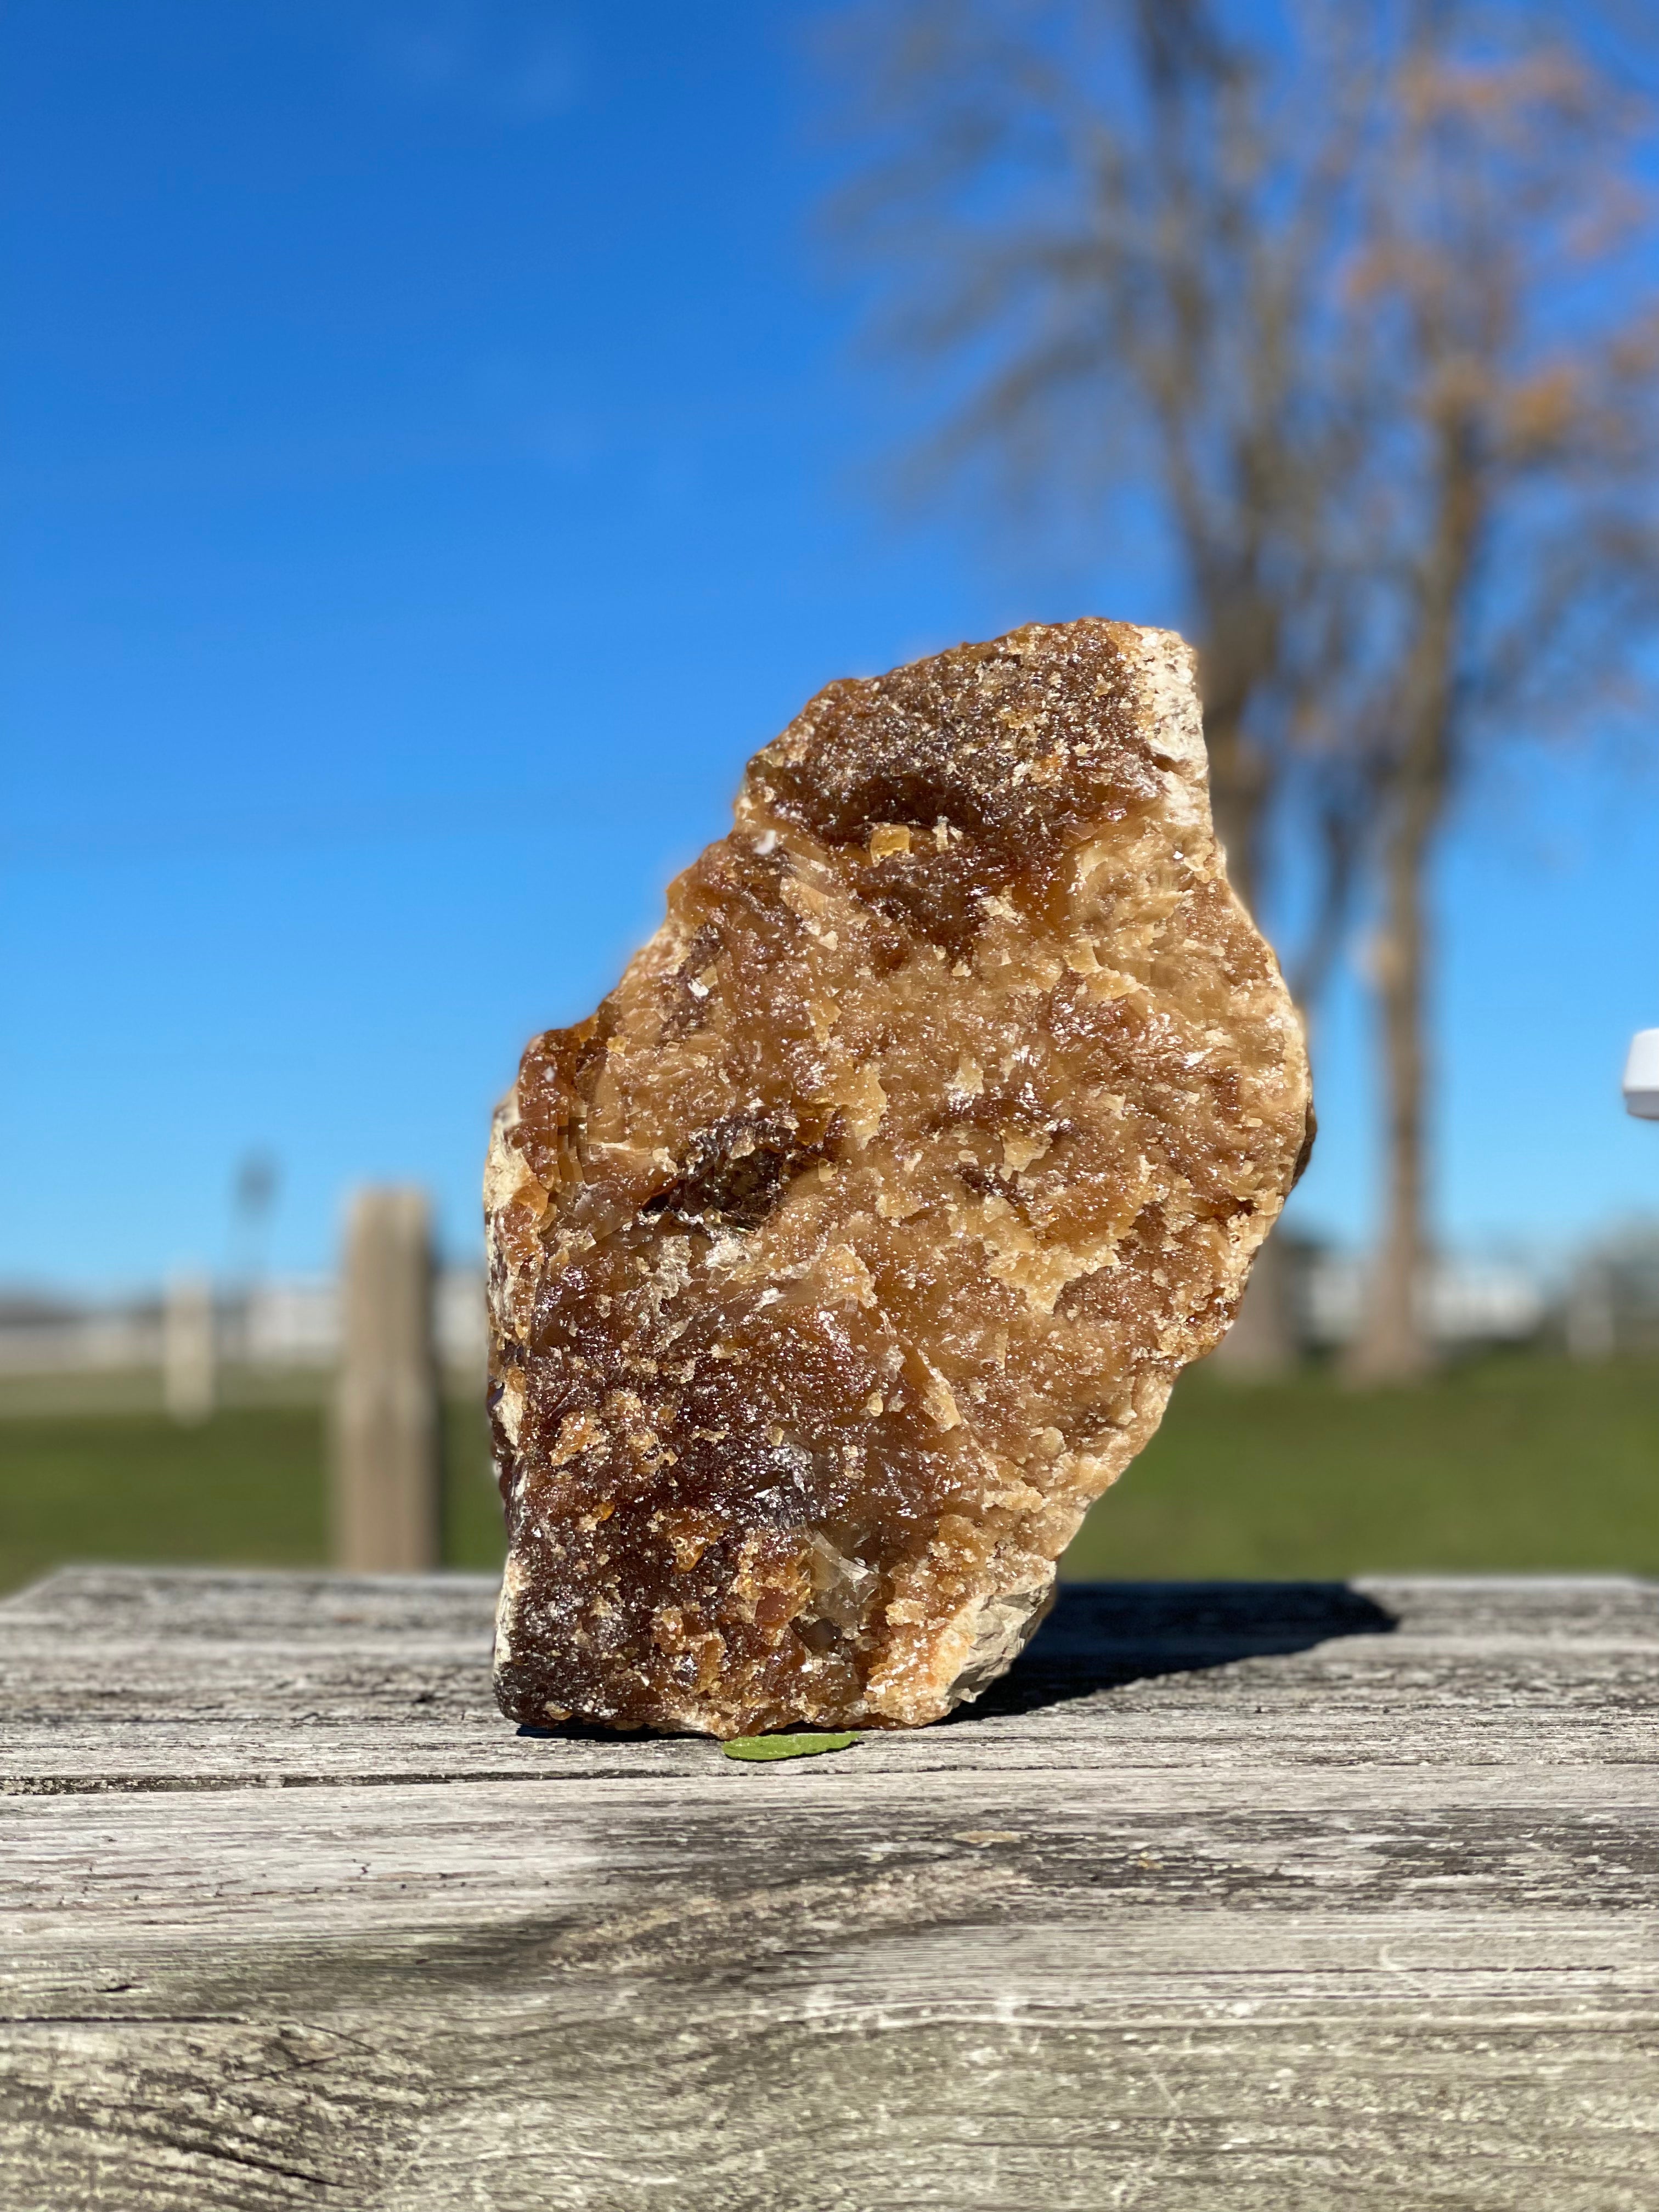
(852, 1247)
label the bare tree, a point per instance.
(1133, 226)
(1514, 448)
(1317, 288)
(1103, 212)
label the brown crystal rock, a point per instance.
(852, 1247)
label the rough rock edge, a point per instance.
(989, 1633)
(1004, 1618)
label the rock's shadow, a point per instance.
(1101, 1634)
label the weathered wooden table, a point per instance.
(1278, 1895)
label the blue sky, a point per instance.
(438, 452)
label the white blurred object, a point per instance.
(1642, 1076)
(462, 1322)
(1469, 1300)
(291, 1323)
(188, 1363)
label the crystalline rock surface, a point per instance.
(852, 1247)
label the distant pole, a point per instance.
(387, 1410)
(187, 1349)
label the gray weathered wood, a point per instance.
(387, 1407)
(1272, 1897)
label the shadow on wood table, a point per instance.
(1102, 1636)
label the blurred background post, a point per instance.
(189, 1352)
(387, 1434)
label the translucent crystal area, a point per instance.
(852, 1247)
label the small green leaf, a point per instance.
(804, 1745)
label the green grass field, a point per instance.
(245, 1489)
(1512, 1463)
(1518, 1463)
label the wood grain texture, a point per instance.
(1279, 1897)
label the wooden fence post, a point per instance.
(188, 1361)
(386, 1443)
(1264, 1345)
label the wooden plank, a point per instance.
(172, 1604)
(570, 1966)
(1239, 1899)
(126, 1679)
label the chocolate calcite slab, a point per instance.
(852, 1247)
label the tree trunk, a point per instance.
(1262, 1345)
(1238, 796)
(1394, 1344)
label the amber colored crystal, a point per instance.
(852, 1247)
